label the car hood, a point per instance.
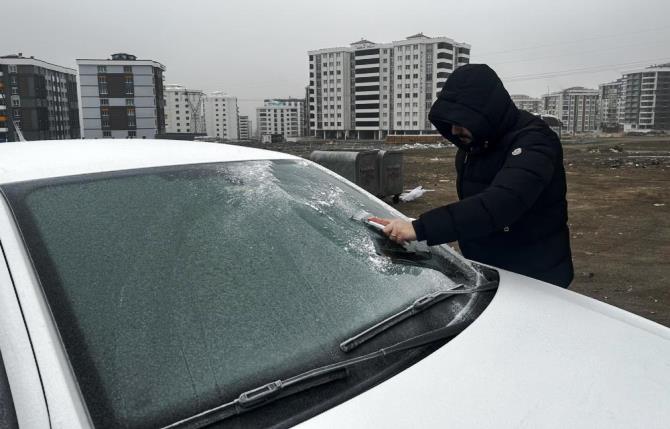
(538, 356)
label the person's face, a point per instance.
(463, 134)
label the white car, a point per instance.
(180, 284)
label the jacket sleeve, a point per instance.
(527, 171)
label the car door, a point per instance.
(42, 386)
(22, 400)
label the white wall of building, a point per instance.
(184, 110)
(527, 103)
(645, 95)
(221, 116)
(244, 128)
(281, 116)
(391, 89)
(577, 109)
(144, 100)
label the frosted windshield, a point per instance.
(175, 288)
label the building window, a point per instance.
(15, 91)
(16, 102)
(130, 101)
(127, 69)
(132, 133)
(106, 133)
(102, 84)
(104, 101)
(102, 69)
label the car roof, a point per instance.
(54, 158)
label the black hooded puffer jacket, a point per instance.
(511, 183)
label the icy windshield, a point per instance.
(174, 288)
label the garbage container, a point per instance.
(391, 173)
(360, 167)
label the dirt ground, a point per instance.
(619, 212)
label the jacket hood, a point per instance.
(475, 98)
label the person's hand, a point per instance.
(399, 230)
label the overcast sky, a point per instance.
(256, 49)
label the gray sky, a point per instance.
(257, 49)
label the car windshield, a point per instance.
(174, 288)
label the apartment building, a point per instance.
(610, 100)
(370, 90)
(221, 116)
(37, 98)
(577, 109)
(527, 103)
(283, 116)
(4, 113)
(184, 110)
(245, 128)
(646, 99)
(121, 97)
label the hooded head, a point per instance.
(474, 97)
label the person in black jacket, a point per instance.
(512, 211)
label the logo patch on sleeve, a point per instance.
(516, 151)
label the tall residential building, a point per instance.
(4, 114)
(646, 99)
(283, 116)
(184, 110)
(121, 97)
(306, 131)
(576, 107)
(38, 98)
(370, 90)
(245, 128)
(221, 116)
(527, 103)
(610, 105)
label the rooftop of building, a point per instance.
(220, 94)
(365, 43)
(120, 57)
(20, 59)
(523, 97)
(572, 90)
(418, 36)
(179, 87)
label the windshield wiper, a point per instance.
(415, 308)
(275, 390)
